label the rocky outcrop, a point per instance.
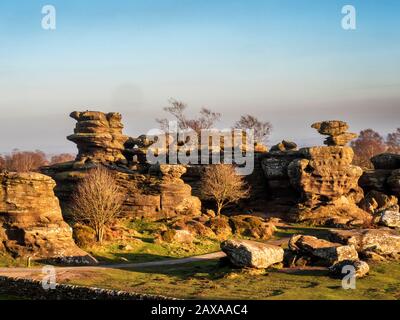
(319, 249)
(321, 180)
(390, 219)
(385, 177)
(252, 226)
(218, 227)
(252, 254)
(154, 192)
(31, 224)
(176, 196)
(336, 132)
(376, 244)
(98, 136)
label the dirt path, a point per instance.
(27, 272)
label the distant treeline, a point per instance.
(25, 161)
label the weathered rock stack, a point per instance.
(153, 192)
(31, 224)
(98, 136)
(325, 181)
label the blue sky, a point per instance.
(289, 62)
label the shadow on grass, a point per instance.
(131, 258)
(284, 231)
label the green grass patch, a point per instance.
(147, 250)
(210, 280)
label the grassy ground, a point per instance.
(147, 250)
(143, 246)
(208, 280)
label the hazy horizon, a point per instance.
(287, 62)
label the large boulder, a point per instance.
(390, 219)
(252, 254)
(31, 224)
(325, 250)
(370, 243)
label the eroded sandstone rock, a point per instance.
(252, 254)
(340, 269)
(370, 242)
(322, 249)
(31, 224)
(336, 132)
(98, 136)
(390, 219)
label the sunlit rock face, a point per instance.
(152, 191)
(31, 224)
(323, 177)
(98, 136)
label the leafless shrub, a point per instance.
(97, 200)
(221, 184)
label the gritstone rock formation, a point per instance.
(385, 177)
(252, 254)
(152, 191)
(336, 132)
(321, 180)
(98, 136)
(31, 224)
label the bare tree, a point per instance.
(221, 184)
(368, 144)
(262, 130)
(62, 157)
(206, 120)
(25, 161)
(393, 141)
(97, 200)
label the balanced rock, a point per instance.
(31, 224)
(322, 249)
(98, 136)
(252, 254)
(336, 132)
(340, 269)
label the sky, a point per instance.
(289, 62)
